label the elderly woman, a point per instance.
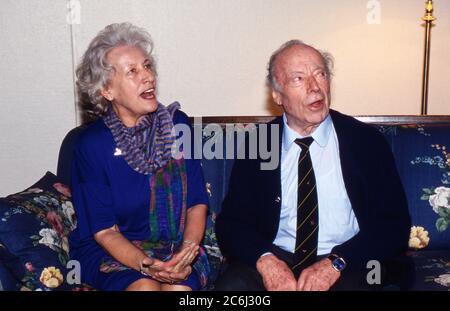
(141, 212)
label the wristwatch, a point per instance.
(338, 263)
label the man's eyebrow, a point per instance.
(296, 72)
(303, 72)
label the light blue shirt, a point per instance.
(337, 221)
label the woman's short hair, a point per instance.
(93, 71)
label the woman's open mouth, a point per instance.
(149, 94)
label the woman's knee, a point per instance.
(175, 288)
(144, 285)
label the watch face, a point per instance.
(339, 264)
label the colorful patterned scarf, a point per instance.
(147, 146)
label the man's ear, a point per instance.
(276, 97)
(106, 93)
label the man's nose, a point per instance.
(313, 86)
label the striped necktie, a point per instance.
(307, 210)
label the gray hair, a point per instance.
(271, 80)
(93, 72)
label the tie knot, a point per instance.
(304, 142)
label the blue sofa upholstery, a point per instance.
(419, 145)
(423, 161)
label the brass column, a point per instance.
(428, 18)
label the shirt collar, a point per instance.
(320, 134)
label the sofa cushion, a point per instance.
(7, 281)
(66, 154)
(432, 270)
(216, 171)
(34, 227)
(423, 162)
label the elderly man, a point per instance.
(334, 203)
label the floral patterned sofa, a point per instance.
(34, 223)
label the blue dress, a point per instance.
(105, 192)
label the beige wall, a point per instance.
(36, 89)
(211, 57)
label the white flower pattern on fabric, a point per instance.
(51, 239)
(443, 279)
(441, 198)
(69, 213)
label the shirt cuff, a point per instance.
(265, 254)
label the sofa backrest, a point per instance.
(421, 153)
(419, 145)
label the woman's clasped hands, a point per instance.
(175, 270)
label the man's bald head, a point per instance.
(271, 76)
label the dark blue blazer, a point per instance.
(250, 215)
